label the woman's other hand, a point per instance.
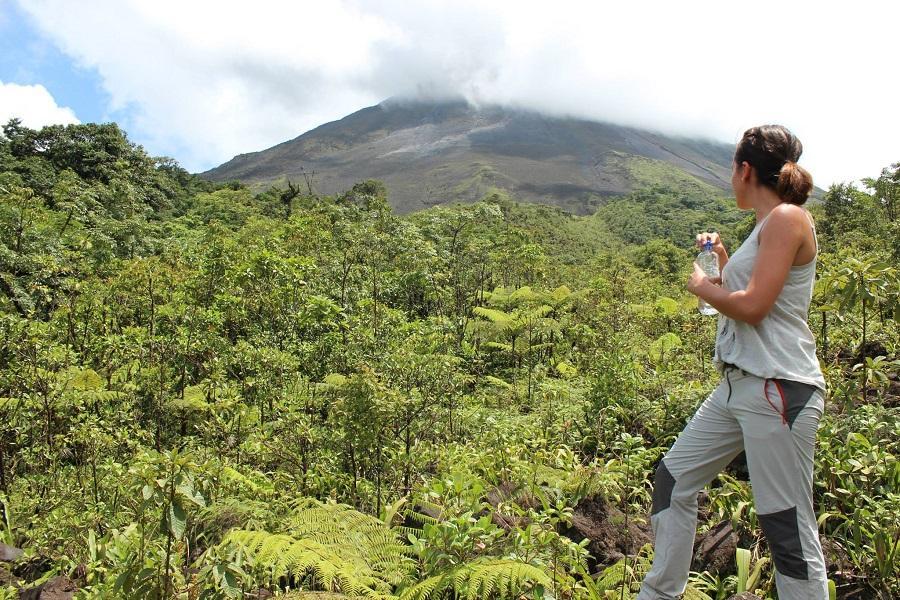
(699, 279)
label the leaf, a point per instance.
(193, 401)
(666, 306)
(663, 346)
(566, 370)
(92, 545)
(561, 293)
(757, 572)
(177, 520)
(692, 593)
(187, 491)
(232, 589)
(742, 556)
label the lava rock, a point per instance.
(9, 553)
(714, 550)
(505, 493)
(605, 526)
(57, 588)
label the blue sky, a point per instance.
(204, 80)
(27, 58)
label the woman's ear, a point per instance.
(746, 171)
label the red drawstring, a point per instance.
(783, 413)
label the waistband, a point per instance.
(727, 367)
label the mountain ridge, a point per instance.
(431, 153)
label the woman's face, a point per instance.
(739, 185)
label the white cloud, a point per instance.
(206, 80)
(33, 104)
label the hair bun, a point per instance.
(795, 184)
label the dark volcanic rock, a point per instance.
(32, 568)
(6, 578)
(604, 525)
(9, 553)
(502, 495)
(836, 558)
(714, 551)
(57, 588)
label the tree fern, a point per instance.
(330, 566)
(332, 524)
(339, 548)
(501, 319)
(481, 579)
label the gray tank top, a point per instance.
(782, 345)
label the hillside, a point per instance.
(432, 153)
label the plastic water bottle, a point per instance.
(709, 262)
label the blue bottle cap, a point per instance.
(707, 245)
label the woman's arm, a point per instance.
(779, 242)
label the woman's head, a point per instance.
(773, 152)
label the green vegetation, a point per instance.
(213, 393)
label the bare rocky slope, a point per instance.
(429, 153)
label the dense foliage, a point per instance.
(211, 393)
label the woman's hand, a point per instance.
(699, 279)
(713, 237)
(718, 247)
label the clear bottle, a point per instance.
(709, 262)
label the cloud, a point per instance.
(33, 105)
(204, 80)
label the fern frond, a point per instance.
(283, 555)
(342, 549)
(423, 589)
(524, 294)
(498, 317)
(339, 525)
(560, 294)
(691, 592)
(425, 518)
(481, 579)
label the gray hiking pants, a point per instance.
(775, 422)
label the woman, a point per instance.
(771, 395)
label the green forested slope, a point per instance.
(207, 392)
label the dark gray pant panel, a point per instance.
(783, 534)
(796, 396)
(663, 484)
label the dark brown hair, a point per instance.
(774, 151)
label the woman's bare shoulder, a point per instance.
(790, 215)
